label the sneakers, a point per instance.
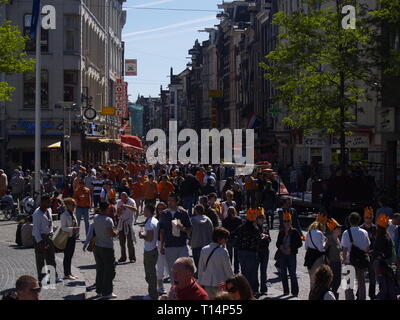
(110, 296)
(70, 277)
(161, 291)
(121, 260)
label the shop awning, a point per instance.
(129, 147)
(56, 145)
(133, 141)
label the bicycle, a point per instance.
(10, 212)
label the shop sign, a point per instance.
(314, 141)
(352, 142)
(25, 128)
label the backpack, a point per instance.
(358, 258)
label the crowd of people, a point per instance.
(207, 230)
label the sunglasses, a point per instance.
(232, 290)
(35, 290)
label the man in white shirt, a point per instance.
(126, 208)
(42, 232)
(361, 240)
(150, 256)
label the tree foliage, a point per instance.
(319, 67)
(13, 58)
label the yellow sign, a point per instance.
(108, 111)
(215, 94)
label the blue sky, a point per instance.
(161, 39)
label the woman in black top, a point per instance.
(382, 260)
(288, 243)
(247, 239)
(232, 223)
(124, 187)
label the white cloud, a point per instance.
(170, 26)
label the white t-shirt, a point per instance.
(151, 224)
(318, 239)
(360, 239)
(127, 214)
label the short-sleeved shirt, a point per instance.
(102, 224)
(166, 225)
(165, 188)
(151, 224)
(150, 190)
(127, 214)
(360, 239)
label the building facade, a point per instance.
(82, 61)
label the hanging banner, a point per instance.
(131, 67)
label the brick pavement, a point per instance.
(129, 282)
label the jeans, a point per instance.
(105, 270)
(361, 292)
(196, 257)
(372, 281)
(123, 239)
(289, 263)
(45, 257)
(337, 277)
(162, 268)
(250, 198)
(188, 204)
(150, 262)
(174, 253)
(233, 254)
(96, 200)
(312, 271)
(83, 212)
(263, 263)
(249, 266)
(68, 254)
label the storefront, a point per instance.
(21, 144)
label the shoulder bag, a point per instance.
(358, 257)
(312, 254)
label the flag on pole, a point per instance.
(34, 18)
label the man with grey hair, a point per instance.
(126, 208)
(185, 286)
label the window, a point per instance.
(31, 44)
(29, 89)
(70, 83)
(71, 31)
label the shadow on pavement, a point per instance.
(90, 267)
(135, 298)
(14, 246)
(76, 284)
(80, 296)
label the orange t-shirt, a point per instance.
(82, 197)
(112, 175)
(150, 190)
(200, 176)
(132, 168)
(112, 194)
(137, 190)
(165, 188)
(249, 183)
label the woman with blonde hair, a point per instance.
(315, 245)
(69, 224)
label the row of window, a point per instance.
(70, 88)
(71, 34)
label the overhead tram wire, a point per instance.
(143, 8)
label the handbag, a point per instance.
(60, 239)
(312, 254)
(358, 257)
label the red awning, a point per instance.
(133, 141)
(128, 146)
